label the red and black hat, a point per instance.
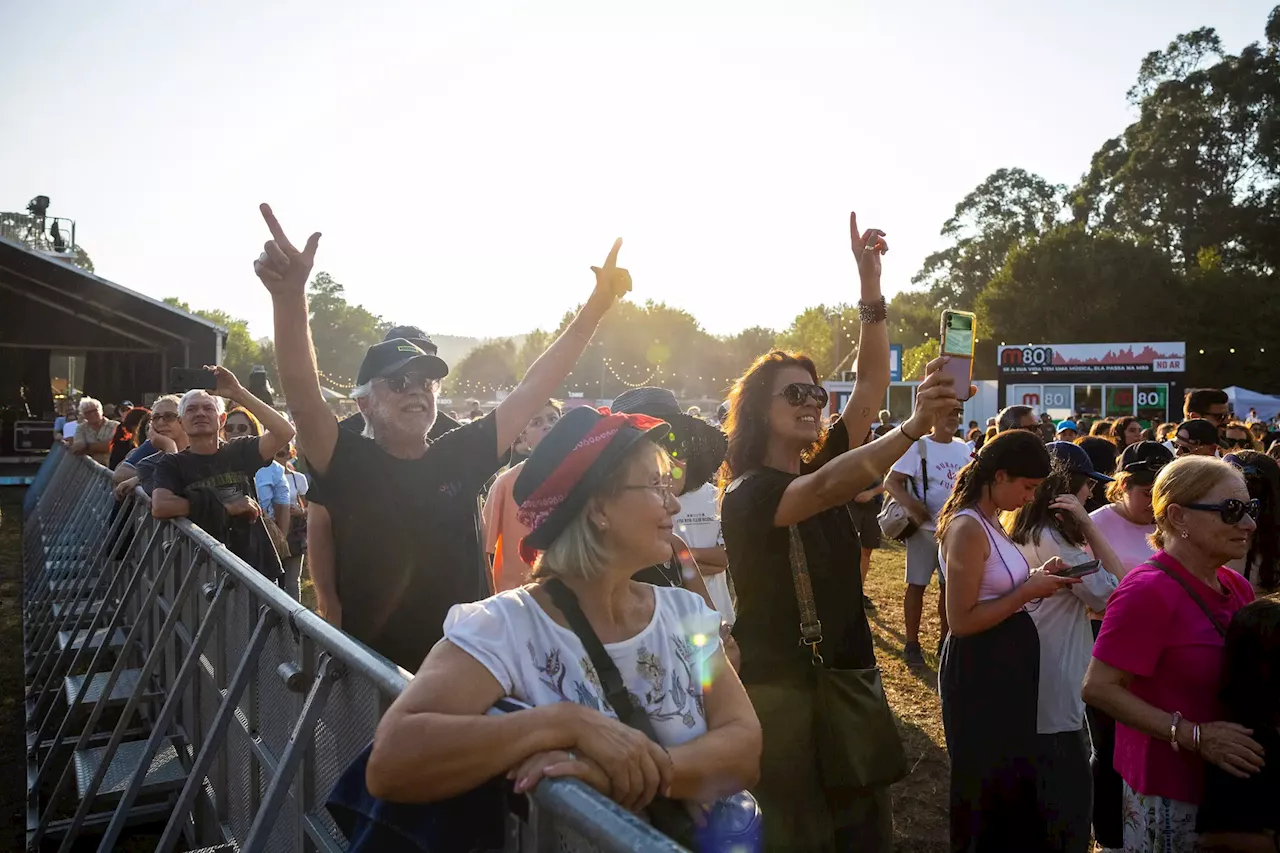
(572, 460)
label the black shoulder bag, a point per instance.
(733, 823)
(1217, 626)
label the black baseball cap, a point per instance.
(396, 356)
(1075, 459)
(1200, 431)
(413, 335)
(1142, 460)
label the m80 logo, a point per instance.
(1030, 356)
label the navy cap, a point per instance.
(1074, 458)
(395, 356)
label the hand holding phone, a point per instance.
(183, 379)
(1083, 570)
(956, 333)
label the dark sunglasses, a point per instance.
(1230, 510)
(167, 417)
(1237, 442)
(406, 381)
(798, 392)
(1219, 418)
(237, 429)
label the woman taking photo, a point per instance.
(597, 497)
(1261, 566)
(1056, 524)
(785, 493)
(1157, 664)
(989, 673)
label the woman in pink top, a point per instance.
(502, 531)
(1157, 665)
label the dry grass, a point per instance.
(12, 686)
(920, 800)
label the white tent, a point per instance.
(1242, 400)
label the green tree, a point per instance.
(241, 353)
(341, 332)
(1011, 205)
(1200, 168)
(488, 368)
(913, 318)
(811, 333)
(534, 344)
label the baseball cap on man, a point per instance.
(1067, 425)
(396, 356)
(1142, 460)
(413, 335)
(1200, 431)
(1074, 458)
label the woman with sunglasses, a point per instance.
(1157, 664)
(1261, 567)
(1236, 436)
(240, 423)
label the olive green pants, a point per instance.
(800, 813)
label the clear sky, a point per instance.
(467, 162)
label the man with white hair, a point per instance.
(212, 481)
(404, 509)
(93, 434)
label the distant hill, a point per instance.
(454, 348)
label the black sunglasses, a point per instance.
(1237, 442)
(797, 392)
(1231, 510)
(406, 381)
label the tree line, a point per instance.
(1171, 233)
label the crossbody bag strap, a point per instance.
(615, 692)
(924, 471)
(1195, 596)
(810, 625)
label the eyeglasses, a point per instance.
(405, 381)
(167, 417)
(665, 488)
(797, 392)
(1230, 510)
(237, 429)
(1220, 417)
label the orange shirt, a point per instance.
(503, 532)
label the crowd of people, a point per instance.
(681, 599)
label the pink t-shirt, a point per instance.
(1155, 631)
(1127, 539)
(503, 532)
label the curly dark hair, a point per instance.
(1118, 429)
(747, 421)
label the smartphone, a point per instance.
(956, 335)
(1081, 570)
(183, 379)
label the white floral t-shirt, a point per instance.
(665, 667)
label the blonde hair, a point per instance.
(1119, 486)
(1184, 481)
(580, 550)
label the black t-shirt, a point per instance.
(768, 618)
(229, 472)
(406, 536)
(355, 423)
(1243, 805)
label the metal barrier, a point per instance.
(169, 681)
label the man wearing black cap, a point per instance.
(1196, 437)
(404, 509)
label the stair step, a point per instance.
(65, 585)
(116, 641)
(120, 693)
(165, 771)
(76, 609)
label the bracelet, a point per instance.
(1173, 730)
(873, 312)
(1195, 737)
(902, 429)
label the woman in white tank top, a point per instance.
(989, 673)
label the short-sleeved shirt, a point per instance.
(503, 532)
(768, 624)
(87, 435)
(229, 471)
(1155, 631)
(698, 524)
(665, 667)
(943, 462)
(1127, 539)
(406, 535)
(1066, 638)
(1243, 805)
(271, 486)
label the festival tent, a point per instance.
(1242, 400)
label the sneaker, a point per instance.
(913, 654)
(867, 604)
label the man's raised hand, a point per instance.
(281, 267)
(612, 282)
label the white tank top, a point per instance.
(1005, 570)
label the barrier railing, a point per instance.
(168, 681)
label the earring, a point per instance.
(1184, 534)
(604, 525)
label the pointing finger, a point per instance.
(612, 261)
(855, 236)
(276, 231)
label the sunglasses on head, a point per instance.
(1230, 510)
(798, 392)
(237, 429)
(410, 381)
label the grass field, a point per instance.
(920, 800)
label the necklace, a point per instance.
(662, 570)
